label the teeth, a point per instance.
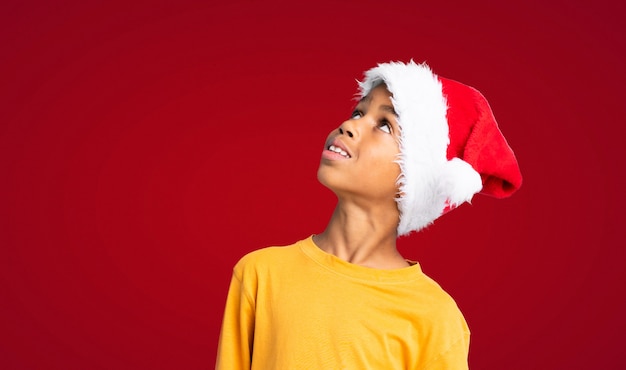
(335, 149)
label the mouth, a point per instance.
(337, 147)
(338, 150)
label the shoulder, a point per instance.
(441, 324)
(449, 324)
(440, 302)
(267, 258)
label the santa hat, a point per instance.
(450, 145)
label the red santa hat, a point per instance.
(450, 145)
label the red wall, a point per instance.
(144, 148)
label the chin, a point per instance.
(330, 179)
(323, 178)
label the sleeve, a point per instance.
(237, 335)
(454, 358)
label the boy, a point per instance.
(415, 147)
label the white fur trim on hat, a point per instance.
(428, 181)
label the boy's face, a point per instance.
(358, 159)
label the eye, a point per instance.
(356, 114)
(385, 126)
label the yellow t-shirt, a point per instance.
(298, 307)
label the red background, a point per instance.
(146, 146)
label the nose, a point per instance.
(348, 128)
(346, 132)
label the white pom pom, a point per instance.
(459, 181)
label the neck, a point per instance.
(363, 236)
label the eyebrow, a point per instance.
(367, 100)
(389, 108)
